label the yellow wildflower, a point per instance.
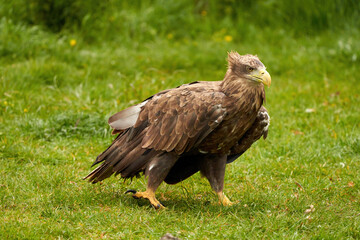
(334, 135)
(170, 36)
(5, 103)
(25, 110)
(228, 38)
(72, 42)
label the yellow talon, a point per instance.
(224, 200)
(150, 195)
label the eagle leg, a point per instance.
(156, 171)
(213, 168)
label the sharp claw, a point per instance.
(159, 206)
(130, 191)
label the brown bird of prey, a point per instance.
(200, 126)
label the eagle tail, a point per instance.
(123, 157)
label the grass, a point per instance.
(302, 182)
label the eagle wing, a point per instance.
(174, 120)
(258, 129)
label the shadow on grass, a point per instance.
(175, 202)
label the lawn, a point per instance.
(60, 81)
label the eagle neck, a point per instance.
(243, 95)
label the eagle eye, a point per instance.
(250, 69)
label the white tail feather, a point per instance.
(126, 118)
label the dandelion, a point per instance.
(72, 42)
(228, 38)
(5, 103)
(170, 36)
(333, 134)
(25, 110)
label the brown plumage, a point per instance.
(200, 126)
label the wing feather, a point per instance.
(172, 142)
(168, 123)
(182, 143)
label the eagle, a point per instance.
(200, 126)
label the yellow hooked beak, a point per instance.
(261, 75)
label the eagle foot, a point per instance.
(224, 200)
(149, 195)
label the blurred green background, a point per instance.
(66, 66)
(99, 21)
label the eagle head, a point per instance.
(247, 67)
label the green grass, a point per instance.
(55, 100)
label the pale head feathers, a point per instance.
(235, 59)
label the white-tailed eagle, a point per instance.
(200, 126)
